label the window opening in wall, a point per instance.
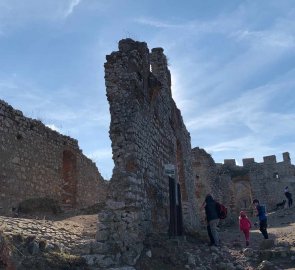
(276, 175)
(176, 222)
(19, 137)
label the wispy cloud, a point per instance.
(103, 159)
(266, 38)
(72, 5)
(100, 154)
(14, 13)
(38, 103)
(250, 103)
(158, 23)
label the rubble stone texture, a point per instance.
(237, 186)
(36, 161)
(210, 178)
(147, 132)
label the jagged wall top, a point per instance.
(267, 160)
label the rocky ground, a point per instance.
(67, 242)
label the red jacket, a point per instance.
(245, 224)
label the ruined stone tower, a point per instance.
(147, 132)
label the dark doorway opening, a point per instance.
(70, 179)
(176, 222)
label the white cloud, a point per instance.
(100, 154)
(72, 5)
(15, 13)
(249, 104)
(182, 102)
(53, 127)
(158, 23)
(266, 38)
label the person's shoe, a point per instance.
(247, 243)
(211, 244)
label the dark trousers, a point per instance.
(290, 202)
(289, 197)
(210, 235)
(263, 228)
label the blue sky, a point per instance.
(232, 65)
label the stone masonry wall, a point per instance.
(269, 178)
(211, 178)
(36, 161)
(147, 132)
(237, 186)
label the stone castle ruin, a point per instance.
(36, 161)
(237, 186)
(147, 132)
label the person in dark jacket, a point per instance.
(212, 218)
(262, 218)
(288, 196)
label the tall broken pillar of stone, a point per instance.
(147, 132)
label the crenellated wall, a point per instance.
(269, 178)
(36, 161)
(237, 186)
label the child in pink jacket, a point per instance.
(245, 226)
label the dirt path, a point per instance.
(76, 232)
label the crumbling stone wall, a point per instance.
(269, 178)
(205, 173)
(36, 161)
(147, 132)
(214, 179)
(237, 186)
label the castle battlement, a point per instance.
(270, 159)
(248, 161)
(229, 162)
(267, 160)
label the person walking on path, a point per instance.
(288, 196)
(262, 218)
(245, 226)
(212, 218)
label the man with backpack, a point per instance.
(212, 217)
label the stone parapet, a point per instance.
(230, 162)
(270, 159)
(248, 161)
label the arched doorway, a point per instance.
(243, 196)
(69, 174)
